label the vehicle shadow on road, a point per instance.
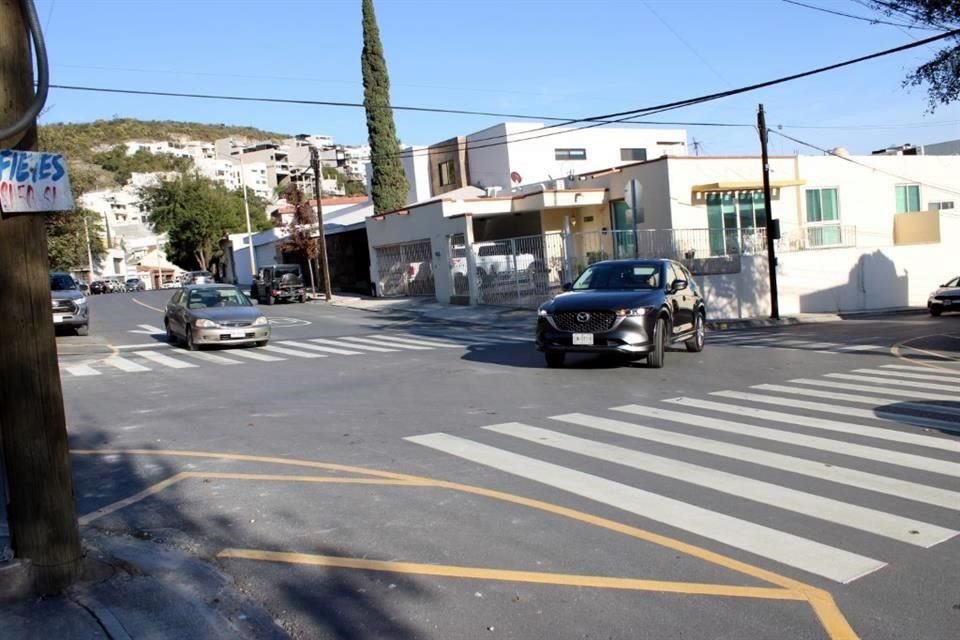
(526, 356)
(945, 411)
(307, 601)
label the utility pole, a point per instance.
(42, 514)
(315, 161)
(86, 233)
(773, 229)
(246, 209)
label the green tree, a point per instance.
(67, 239)
(122, 165)
(941, 75)
(196, 213)
(355, 188)
(389, 184)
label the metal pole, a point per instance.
(86, 233)
(771, 253)
(246, 209)
(315, 161)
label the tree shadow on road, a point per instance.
(942, 411)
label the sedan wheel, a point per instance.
(695, 344)
(655, 357)
(935, 310)
(171, 336)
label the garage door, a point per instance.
(406, 269)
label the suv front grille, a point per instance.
(64, 306)
(598, 321)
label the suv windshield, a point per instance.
(281, 271)
(619, 276)
(62, 282)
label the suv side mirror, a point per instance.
(567, 286)
(679, 285)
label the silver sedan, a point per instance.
(211, 314)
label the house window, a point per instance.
(570, 154)
(446, 173)
(733, 217)
(908, 198)
(633, 155)
(823, 217)
(940, 206)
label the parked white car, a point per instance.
(492, 257)
(945, 298)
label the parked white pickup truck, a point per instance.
(492, 257)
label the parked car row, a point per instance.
(116, 285)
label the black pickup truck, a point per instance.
(278, 282)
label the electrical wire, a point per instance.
(29, 117)
(867, 166)
(862, 18)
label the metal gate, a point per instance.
(520, 271)
(406, 269)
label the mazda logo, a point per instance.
(582, 317)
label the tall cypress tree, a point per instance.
(389, 185)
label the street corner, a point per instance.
(936, 351)
(259, 514)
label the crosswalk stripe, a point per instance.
(900, 383)
(316, 347)
(873, 401)
(81, 370)
(125, 365)
(903, 393)
(794, 343)
(292, 352)
(880, 523)
(462, 340)
(889, 456)
(384, 343)
(821, 345)
(423, 343)
(250, 354)
(166, 361)
(801, 466)
(503, 337)
(820, 423)
(795, 551)
(362, 347)
(150, 327)
(946, 375)
(210, 357)
(903, 374)
(863, 347)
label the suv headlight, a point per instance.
(542, 313)
(81, 300)
(203, 322)
(639, 311)
(262, 320)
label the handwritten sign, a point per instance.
(32, 181)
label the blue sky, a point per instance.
(559, 58)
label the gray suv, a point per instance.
(69, 304)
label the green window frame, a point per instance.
(823, 217)
(731, 216)
(908, 198)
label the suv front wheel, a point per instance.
(655, 357)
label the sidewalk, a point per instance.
(134, 588)
(512, 316)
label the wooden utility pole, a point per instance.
(42, 514)
(315, 161)
(772, 227)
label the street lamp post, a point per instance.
(246, 209)
(86, 233)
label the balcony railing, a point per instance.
(821, 236)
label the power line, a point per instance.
(867, 166)
(594, 121)
(862, 18)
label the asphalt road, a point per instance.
(380, 476)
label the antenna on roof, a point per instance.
(697, 147)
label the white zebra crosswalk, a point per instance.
(141, 360)
(867, 473)
(774, 339)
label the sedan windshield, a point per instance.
(619, 276)
(61, 282)
(221, 297)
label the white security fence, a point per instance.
(405, 269)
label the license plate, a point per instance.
(583, 338)
(60, 318)
(237, 334)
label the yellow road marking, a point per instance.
(895, 351)
(537, 577)
(137, 497)
(144, 304)
(823, 604)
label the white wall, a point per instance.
(488, 160)
(416, 165)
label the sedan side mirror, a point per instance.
(567, 286)
(679, 285)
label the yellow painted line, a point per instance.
(215, 475)
(895, 350)
(144, 304)
(830, 616)
(536, 577)
(126, 502)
